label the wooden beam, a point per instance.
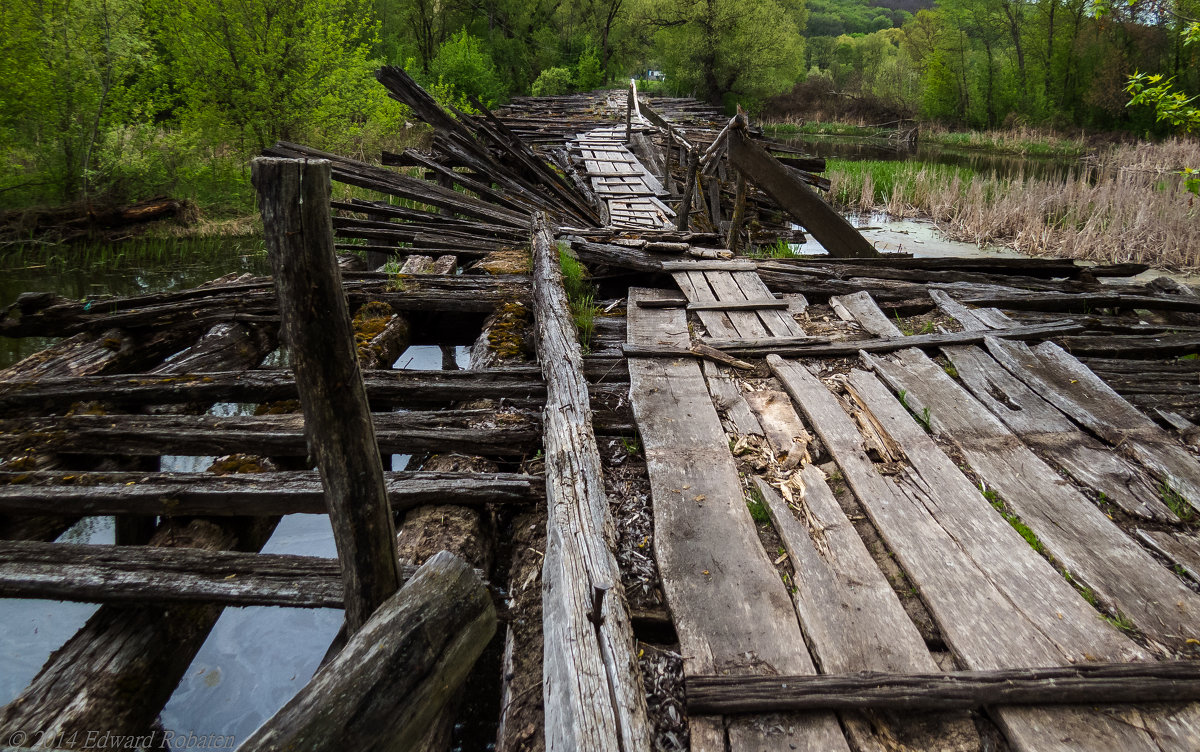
(385, 687)
(1082, 684)
(592, 687)
(830, 229)
(888, 344)
(294, 196)
(251, 494)
(137, 574)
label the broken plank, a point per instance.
(1090, 546)
(727, 398)
(726, 598)
(850, 614)
(1073, 388)
(998, 604)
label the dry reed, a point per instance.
(1129, 204)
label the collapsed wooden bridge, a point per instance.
(769, 504)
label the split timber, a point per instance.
(964, 488)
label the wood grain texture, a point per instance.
(997, 603)
(852, 619)
(1041, 425)
(731, 611)
(591, 687)
(1096, 683)
(1072, 387)
(294, 197)
(1097, 553)
(387, 685)
(256, 494)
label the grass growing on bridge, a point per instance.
(581, 297)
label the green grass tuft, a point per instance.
(1030, 537)
(757, 507)
(1177, 504)
(581, 297)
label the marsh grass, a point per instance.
(1128, 205)
(779, 249)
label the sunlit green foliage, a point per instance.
(730, 51)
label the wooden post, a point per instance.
(386, 687)
(739, 214)
(294, 195)
(629, 113)
(829, 228)
(591, 684)
(685, 203)
(668, 157)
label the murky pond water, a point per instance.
(980, 160)
(255, 659)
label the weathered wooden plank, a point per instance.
(708, 266)
(338, 430)
(254, 494)
(728, 400)
(591, 683)
(473, 431)
(833, 232)
(731, 611)
(697, 289)
(1038, 423)
(1181, 548)
(851, 617)
(1089, 684)
(1074, 531)
(997, 603)
(888, 344)
(779, 322)
(1073, 388)
(385, 687)
(137, 574)
(746, 323)
(385, 388)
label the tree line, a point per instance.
(124, 98)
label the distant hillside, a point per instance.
(912, 6)
(832, 18)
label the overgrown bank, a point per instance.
(1132, 203)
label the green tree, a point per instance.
(463, 65)
(71, 70)
(262, 70)
(730, 51)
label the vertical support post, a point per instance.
(739, 214)
(629, 113)
(294, 196)
(685, 203)
(447, 182)
(668, 154)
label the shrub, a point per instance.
(462, 65)
(552, 82)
